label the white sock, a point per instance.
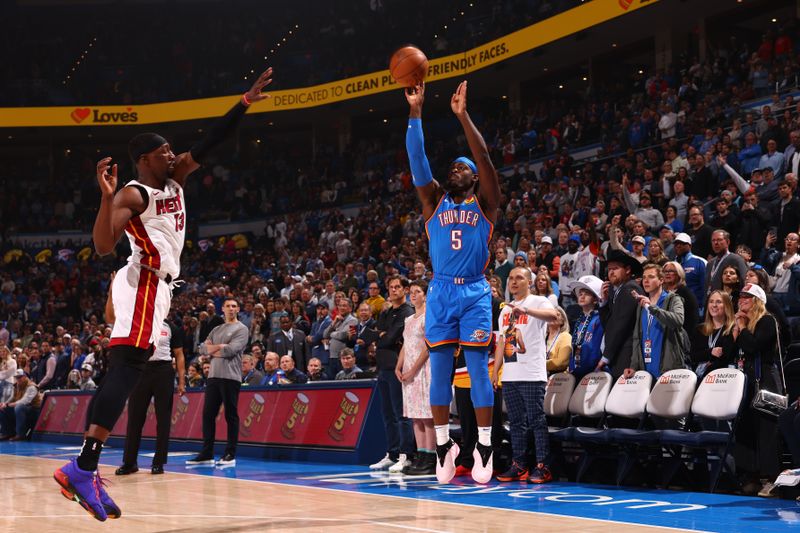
(442, 434)
(485, 435)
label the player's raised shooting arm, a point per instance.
(428, 189)
(489, 190)
(190, 161)
(116, 208)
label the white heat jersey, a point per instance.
(157, 235)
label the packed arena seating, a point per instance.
(359, 220)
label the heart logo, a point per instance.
(625, 4)
(79, 114)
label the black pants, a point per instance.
(469, 424)
(157, 382)
(125, 366)
(221, 392)
(789, 423)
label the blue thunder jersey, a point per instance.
(459, 236)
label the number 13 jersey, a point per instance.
(157, 234)
(459, 236)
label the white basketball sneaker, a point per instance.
(401, 463)
(383, 464)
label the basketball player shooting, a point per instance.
(151, 212)
(460, 216)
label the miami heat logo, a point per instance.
(479, 335)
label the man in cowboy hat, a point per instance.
(618, 310)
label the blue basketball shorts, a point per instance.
(458, 311)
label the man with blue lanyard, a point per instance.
(459, 220)
(657, 330)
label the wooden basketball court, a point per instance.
(195, 503)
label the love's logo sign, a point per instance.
(79, 114)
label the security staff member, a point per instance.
(157, 381)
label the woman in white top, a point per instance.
(8, 365)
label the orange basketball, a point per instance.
(408, 66)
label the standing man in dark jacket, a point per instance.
(786, 212)
(365, 334)
(390, 326)
(45, 372)
(211, 322)
(700, 232)
(315, 339)
(619, 311)
(290, 341)
(755, 219)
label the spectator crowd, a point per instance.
(683, 248)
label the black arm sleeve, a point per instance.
(221, 129)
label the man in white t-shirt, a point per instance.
(521, 353)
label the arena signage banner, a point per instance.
(309, 416)
(521, 41)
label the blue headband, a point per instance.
(467, 161)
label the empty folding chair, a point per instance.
(556, 398)
(587, 404)
(625, 407)
(667, 406)
(556, 409)
(717, 403)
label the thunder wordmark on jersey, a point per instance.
(459, 236)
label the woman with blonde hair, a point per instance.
(74, 379)
(756, 335)
(558, 343)
(675, 281)
(713, 345)
(543, 287)
(655, 252)
(8, 365)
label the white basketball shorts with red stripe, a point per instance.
(141, 303)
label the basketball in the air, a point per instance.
(408, 66)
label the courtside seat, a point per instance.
(625, 406)
(670, 400)
(556, 401)
(587, 403)
(717, 403)
(627, 400)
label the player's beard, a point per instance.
(453, 188)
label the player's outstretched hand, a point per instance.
(108, 182)
(416, 95)
(458, 103)
(255, 94)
